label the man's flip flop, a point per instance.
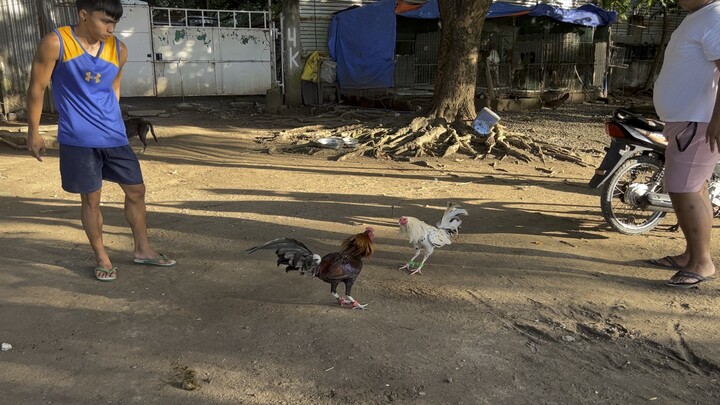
(103, 274)
(671, 263)
(686, 274)
(157, 261)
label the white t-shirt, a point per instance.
(686, 87)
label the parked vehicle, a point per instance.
(630, 176)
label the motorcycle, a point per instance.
(630, 176)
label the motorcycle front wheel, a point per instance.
(620, 201)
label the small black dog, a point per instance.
(139, 126)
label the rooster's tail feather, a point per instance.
(451, 220)
(293, 254)
(279, 244)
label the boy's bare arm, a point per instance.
(43, 65)
(118, 78)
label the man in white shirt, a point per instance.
(685, 97)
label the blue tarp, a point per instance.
(592, 16)
(362, 40)
(428, 10)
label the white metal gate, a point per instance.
(212, 52)
(138, 72)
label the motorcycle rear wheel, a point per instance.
(620, 214)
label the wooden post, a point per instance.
(293, 49)
(488, 75)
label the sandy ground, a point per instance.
(536, 301)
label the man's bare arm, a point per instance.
(43, 65)
(713, 132)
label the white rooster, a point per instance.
(427, 237)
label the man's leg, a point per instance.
(695, 216)
(136, 215)
(92, 222)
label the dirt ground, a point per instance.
(536, 301)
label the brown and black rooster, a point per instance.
(334, 268)
(555, 103)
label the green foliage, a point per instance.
(627, 8)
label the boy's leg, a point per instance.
(92, 222)
(136, 215)
(121, 166)
(80, 170)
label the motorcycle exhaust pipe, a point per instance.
(659, 202)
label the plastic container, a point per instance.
(485, 120)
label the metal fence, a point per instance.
(184, 17)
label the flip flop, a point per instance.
(157, 261)
(672, 264)
(103, 274)
(686, 274)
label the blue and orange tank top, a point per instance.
(82, 86)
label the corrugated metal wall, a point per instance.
(315, 17)
(22, 24)
(19, 34)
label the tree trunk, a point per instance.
(659, 55)
(456, 80)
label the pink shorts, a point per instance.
(689, 163)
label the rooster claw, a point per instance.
(357, 305)
(344, 302)
(407, 266)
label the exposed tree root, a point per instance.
(526, 149)
(11, 144)
(421, 137)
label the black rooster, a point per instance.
(334, 268)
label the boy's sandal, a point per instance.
(161, 260)
(103, 274)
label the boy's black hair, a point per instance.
(113, 8)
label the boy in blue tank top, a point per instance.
(84, 63)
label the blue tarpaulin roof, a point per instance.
(362, 40)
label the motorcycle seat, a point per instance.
(638, 120)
